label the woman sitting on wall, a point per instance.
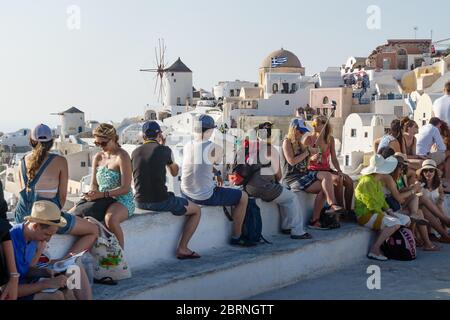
(322, 140)
(297, 176)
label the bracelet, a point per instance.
(14, 275)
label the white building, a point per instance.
(20, 138)
(178, 86)
(72, 122)
(227, 89)
(424, 109)
(360, 132)
(331, 78)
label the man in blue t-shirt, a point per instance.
(41, 225)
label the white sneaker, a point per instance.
(376, 257)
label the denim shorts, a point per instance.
(221, 197)
(71, 222)
(175, 205)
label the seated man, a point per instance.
(41, 225)
(198, 173)
(149, 172)
(429, 136)
(265, 184)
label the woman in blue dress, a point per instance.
(112, 174)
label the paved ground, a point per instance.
(426, 278)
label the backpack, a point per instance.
(252, 226)
(242, 173)
(400, 246)
(329, 220)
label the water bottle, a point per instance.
(88, 263)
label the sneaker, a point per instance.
(306, 236)
(373, 256)
(242, 242)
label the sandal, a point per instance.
(193, 255)
(106, 281)
(432, 249)
(420, 222)
(336, 209)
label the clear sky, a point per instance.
(45, 67)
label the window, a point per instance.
(424, 122)
(178, 101)
(347, 161)
(173, 74)
(285, 88)
(174, 80)
(65, 152)
(424, 115)
(325, 111)
(366, 134)
(294, 88)
(286, 102)
(325, 101)
(231, 93)
(353, 133)
(238, 92)
(275, 88)
(83, 164)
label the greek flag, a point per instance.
(278, 61)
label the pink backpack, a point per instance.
(400, 246)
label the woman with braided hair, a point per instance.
(44, 176)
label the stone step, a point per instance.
(239, 273)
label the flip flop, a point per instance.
(106, 281)
(432, 249)
(191, 256)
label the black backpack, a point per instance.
(400, 246)
(329, 220)
(252, 227)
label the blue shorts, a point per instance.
(175, 205)
(221, 197)
(71, 221)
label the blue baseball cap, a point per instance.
(300, 125)
(42, 133)
(207, 122)
(151, 128)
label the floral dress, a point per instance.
(109, 180)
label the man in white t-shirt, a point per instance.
(441, 106)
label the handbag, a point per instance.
(96, 209)
(393, 204)
(109, 259)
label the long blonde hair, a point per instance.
(38, 155)
(327, 131)
(296, 144)
(106, 131)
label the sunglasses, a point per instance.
(101, 144)
(428, 170)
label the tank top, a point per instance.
(197, 178)
(432, 195)
(292, 173)
(324, 165)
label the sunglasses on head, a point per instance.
(101, 144)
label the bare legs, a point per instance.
(193, 215)
(382, 237)
(115, 215)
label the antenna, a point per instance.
(415, 31)
(161, 67)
